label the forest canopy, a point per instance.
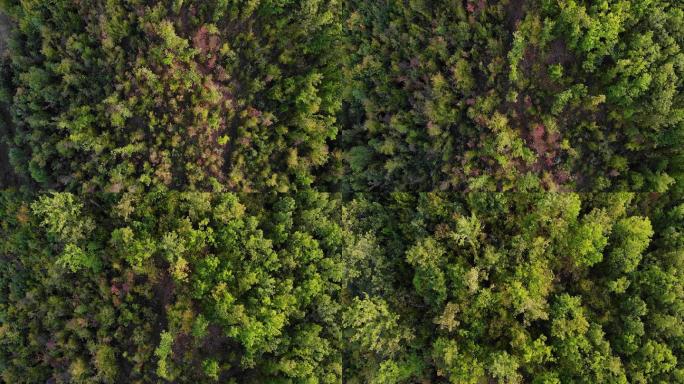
(210, 95)
(341, 191)
(514, 95)
(514, 287)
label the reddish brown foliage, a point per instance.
(475, 6)
(207, 44)
(115, 290)
(545, 144)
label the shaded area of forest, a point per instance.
(7, 175)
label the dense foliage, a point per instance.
(514, 95)
(341, 191)
(113, 95)
(511, 288)
(174, 286)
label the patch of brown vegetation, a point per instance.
(545, 144)
(547, 147)
(208, 45)
(475, 6)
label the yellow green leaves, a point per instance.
(134, 248)
(428, 257)
(504, 368)
(308, 101)
(515, 56)
(456, 363)
(61, 215)
(118, 112)
(463, 76)
(538, 283)
(630, 238)
(569, 320)
(375, 327)
(172, 42)
(74, 259)
(589, 238)
(163, 352)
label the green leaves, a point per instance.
(144, 94)
(74, 259)
(589, 239)
(62, 218)
(162, 352)
(631, 238)
(507, 202)
(428, 258)
(537, 296)
(375, 328)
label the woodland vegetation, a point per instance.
(514, 288)
(516, 95)
(341, 191)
